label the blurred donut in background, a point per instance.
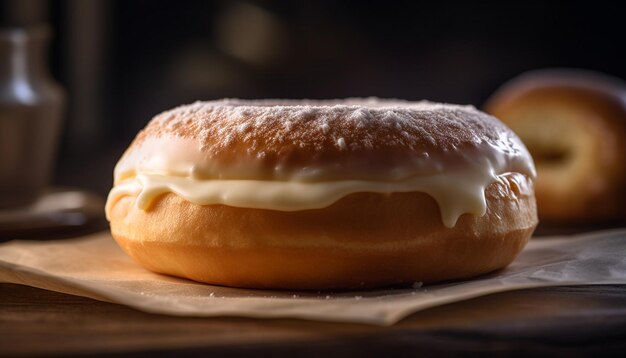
(574, 125)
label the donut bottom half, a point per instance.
(364, 240)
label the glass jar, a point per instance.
(31, 108)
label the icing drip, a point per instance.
(453, 199)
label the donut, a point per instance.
(574, 125)
(316, 195)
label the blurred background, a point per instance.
(121, 62)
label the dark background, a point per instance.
(121, 62)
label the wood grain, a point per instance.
(571, 321)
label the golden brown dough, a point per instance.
(363, 240)
(574, 125)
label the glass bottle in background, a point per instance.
(31, 109)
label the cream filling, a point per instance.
(456, 193)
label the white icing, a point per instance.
(457, 191)
(456, 177)
(453, 199)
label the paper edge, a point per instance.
(103, 294)
(10, 271)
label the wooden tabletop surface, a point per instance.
(562, 321)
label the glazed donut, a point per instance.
(323, 194)
(574, 124)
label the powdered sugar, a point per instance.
(313, 125)
(332, 139)
(341, 143)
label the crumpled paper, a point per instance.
(96, 267)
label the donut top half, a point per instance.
(299, 155)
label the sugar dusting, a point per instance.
(341, 143)
(352, 124)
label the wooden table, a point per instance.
(564, 321)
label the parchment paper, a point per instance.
(95, 267)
